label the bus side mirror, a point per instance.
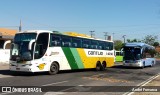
(5, 43)
(122, 51)
(30, 44)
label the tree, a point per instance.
(152, 52)
(133, 40)
(150, 39)
(156, 44)
(118, 44)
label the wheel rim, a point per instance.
(98, 67)
(152, 63)
(53, 68)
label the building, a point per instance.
(158, 49)
(6, 34)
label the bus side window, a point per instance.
(117, 53)
(66, 41)
(76, 42)
(110, 46)
(41, 45)
(101, 45)
(107, 46)
(39, 51)
(55, 40)
(144, 54)
(86, 43)
(94, 44)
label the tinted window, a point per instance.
(110, 46)
(101, 45)
(66, 41)
(76, 42)
(55, 40)
(94, 44)
(41, 45)
(86, 43)
(107, 46)
(118, 53)
(24, 37)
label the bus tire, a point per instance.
(143, 66)
(98, 66)
(103, 67)
(152, 64)
(54, 68)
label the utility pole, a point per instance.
(20, 26)
(92, 34)
(105, 35)
(113, 36)
(124, 38)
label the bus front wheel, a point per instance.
(54, 68)
(143, 65)
(152, 64)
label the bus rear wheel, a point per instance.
(98, 66)
(103, 67)
(54, 68)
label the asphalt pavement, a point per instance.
(115, 80)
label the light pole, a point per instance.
(92, 33)
(113, 36)
(20, 26)
(124, 37)
(105, 35)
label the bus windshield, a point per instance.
(132, 53)
(24, 37)
(19, 48)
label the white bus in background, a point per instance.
(138, 55)
(5, 52)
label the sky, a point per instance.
(133, 18)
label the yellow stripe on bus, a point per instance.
(90, 62)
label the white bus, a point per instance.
(138, 55)
(40, 50)
(5, 52)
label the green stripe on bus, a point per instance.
(77, 58)
(70, 58)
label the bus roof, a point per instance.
(56, 32)
(138, 44)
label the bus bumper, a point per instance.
(22, 69)
(132, 64)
